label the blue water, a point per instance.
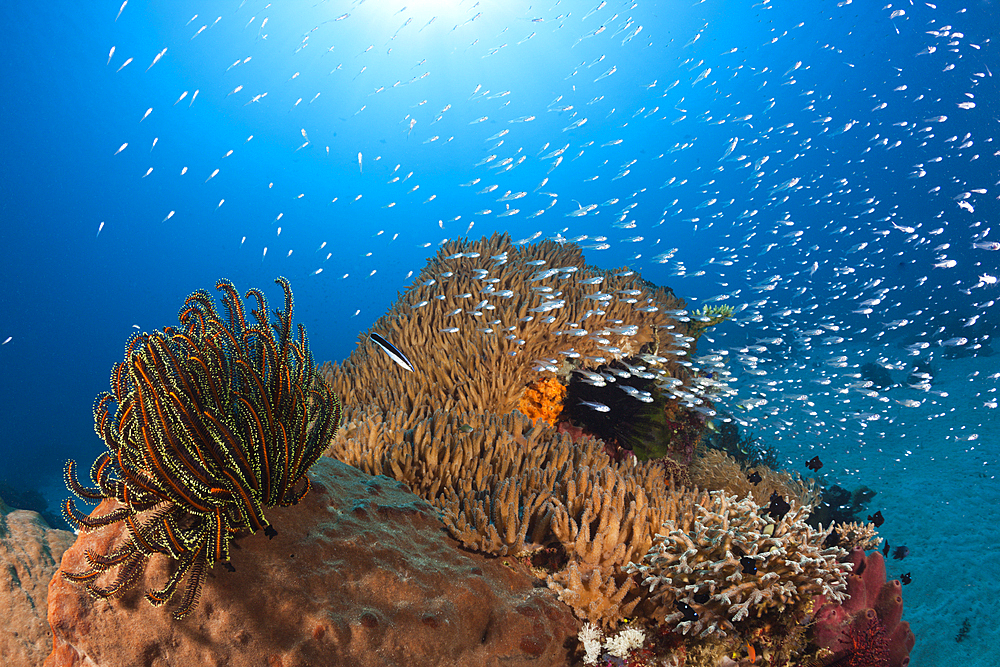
(851, 158)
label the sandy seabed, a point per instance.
(941, 501)
(935, 469)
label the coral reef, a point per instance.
(722, 561)
(507, 486)
(29, 555)
(490, 318)
(604, 522)
(361, 574)
(864, 629)
(494, 432)
(512, 487)
(215, 421)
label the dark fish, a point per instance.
(689, 613)
(701, 598)
(749, 566)
(392, 351)
(885, 549)
(779, 506)
(754, 477)
(877, 518)
(814, 463)
(899, 553)
(905, 578)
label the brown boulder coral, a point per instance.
(29, 555)
(360, 575)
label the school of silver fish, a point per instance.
(747, 167)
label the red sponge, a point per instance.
(866, 629)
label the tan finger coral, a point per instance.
(484, 319)
(492, 322)
(507, 486)
(714, 469)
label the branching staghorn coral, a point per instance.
(722, 561)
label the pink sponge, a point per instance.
(866, 629)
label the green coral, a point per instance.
(707, 317)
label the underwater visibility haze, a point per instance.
(816, 182)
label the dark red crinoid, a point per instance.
(869, 640)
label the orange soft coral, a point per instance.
(543, 399)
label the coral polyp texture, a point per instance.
(206, 426)
(451, 429)
(510, 487)
(714, 469)
(723, 561)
